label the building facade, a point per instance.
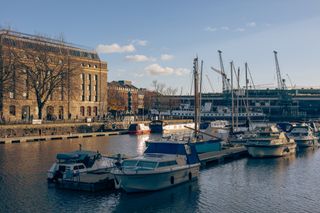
(58, 79)
(125, 98)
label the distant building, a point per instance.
(124, 98)
(277, 105)
(80, 95)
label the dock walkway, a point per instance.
(59, 137)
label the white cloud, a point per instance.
(225, 28)
(251, 24)
(166, 57)
(210, 29)
(240, 29)
(115, 48)
(140, 42)
(138, 58)
(156, 69)
(138, 75)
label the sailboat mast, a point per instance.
(247, 97)
(200, 95)
(232, 103)
(196, 94)
(238, 97)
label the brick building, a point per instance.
(123, 97)
(74, 84)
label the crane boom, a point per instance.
(210, 83)
(225, 85)
(281, 84)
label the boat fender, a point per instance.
(172, 180)
(113, 126)
(116, 183)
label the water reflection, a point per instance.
(182, 198)
(288, 184)
(141, 145)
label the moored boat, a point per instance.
(71, 164)
(270, 142)
(159, 126)
(138, 128)
(303, 135)
(163, 165)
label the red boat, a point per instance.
(137, 129)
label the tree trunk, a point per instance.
(40, 107)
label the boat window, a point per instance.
(75, 167)
(132, 127)
(62, 168)
(168, 163)
(128, 163)
(147, 164)
(81, 167)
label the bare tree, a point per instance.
(8, 75)
(48, 69)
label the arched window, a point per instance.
(82, 110)
(88, 111)
(95, 111)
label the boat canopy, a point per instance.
(76, 155)
(186, 149)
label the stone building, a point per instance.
(69, 81)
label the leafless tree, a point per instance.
(48, 69)
(8, 75)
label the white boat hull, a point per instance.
(306, 141)
(138, 182)
(271, 151)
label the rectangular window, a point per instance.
(89, 87)
(12, 110)
(96, 88)
(83, 87)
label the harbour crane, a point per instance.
(281, 82)
(292, 86)
(225, 80)
(225, 83)
(210, 83)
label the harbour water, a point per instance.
(289, 184)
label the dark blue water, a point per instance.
(290, 184)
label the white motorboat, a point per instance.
(158, 126)
(72, 164)
(270, 142)
(303, 135)
(163, 165)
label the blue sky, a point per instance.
(146, 40)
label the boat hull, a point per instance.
(306, 143)
(155, 181)
(260, 151)
(139, 132)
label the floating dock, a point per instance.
(223, 156)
